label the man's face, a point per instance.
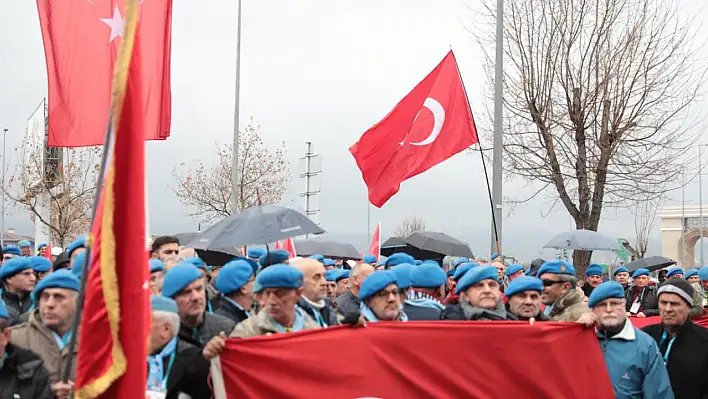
(357, 278)
(693, 279)
(23, 281)
(166, 250)
(191, 301)
(517, 274)
(622, 278)
(6, 257)
(673, 310)
(662, 275)
(342, 286)
(156, 282)
(610, 313)
(450, 284)
(594, 281)
(41, 275)
(385, 303)
(314, 280)
(214, 273)
(704, 284)
(57, 307)
(641, 281)
(160, 332)
(553, 288)
(525, 304)
(500, 269)
(26, 251)
(484, 294)
(43, 251)
(280, 302)
(332, 289)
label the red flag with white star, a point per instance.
(81, 40)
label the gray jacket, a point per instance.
(210, 328)
(347, 303)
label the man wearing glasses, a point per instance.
(563, 301)
(18, 279)
(10, 252)
(379, 295)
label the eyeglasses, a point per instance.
(386, 294)
(548, 283)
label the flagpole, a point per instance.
(234, 158)
(498, 139)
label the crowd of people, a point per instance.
(196, 307)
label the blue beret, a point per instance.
(77, 266)
(690, 273)
(331, 274)
(593, 270)
(557, 267)
(375, 282)
(329, 262)
(280, 276)
(475, 275)
(460, 261)
(427, 276)
(620, 269)
(156, 265)
(163, 304)
(398, 258)
(255, 253)
(450, 272)
(24, 244)
(233, 276)
(430, 262)
(608, 289)
(318, 258)
(674, 270)
(640, 272)
(196, 262)
(14, 266)
(253, 263)
(418, 262)
(703, 273)
(41, 245)
(370, 258)
(40, 264)
(513, 268)
(403, 275)
(257, 287)
(274, 257)
(462, 269)
(496, 255)
(11, 249)
(524, 283)
(79, 243)
(59, 279)
(342, 274)
(179, 277)
(3, 311)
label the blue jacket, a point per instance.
(635, 365)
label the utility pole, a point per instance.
(311, 189)
(234, 158)
(4, 167)
(498, 108)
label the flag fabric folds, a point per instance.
(419, 360)
(80, 45)
(290, 247)
(375, 246)
(429, 125)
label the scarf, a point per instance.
(298, 322)
(369, 314)
(315, 309)
(473, 313)
(62, 341)
(319, 305)
(157, 377)
(423, 299)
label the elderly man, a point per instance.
(423, 300)
(47, 331)
(692, 275)
(701, 287)
(185, 284)
(682, 343)
(330, 277)
(563, 301)
(341, 278)
(314, 294)
(213, 297)
(524, 298)
(157, 274)
(22, 374)
(25, 248)
(514, 271)
(674, 272)
(641, 298)
(18, 280)
(632, 358)
(349, 301)
(621, 275)
(164, 246)
(175, 367)
(379, 296)
(10, 252)
(593, 278)
(480, 297)
(235, 282)
(41, 266)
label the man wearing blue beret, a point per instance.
(255, 253)
(632, 357)
(213, 296)
(341, 278)
(675, 272)
(692, 275)
(235, 282)
(22, 374)
(157, 274)
(524, 298)
(184, 284)
(47, 331)
(18, 281)
(75, 248)
(380, 298)
(9, 252)
(480, 297)
(330, 277)
(641, 298)
(621, 275)
(274, 257)
(25, 248)
(423, 300)
(370, 259)
(318, 257)
(513, 271)
(564, 302)
(398, 258)
(41, 266)
(452, 298)
(593, 278)
(175, 367)
(314, 292)
(42, 249)
(349, 301)
(329, 264)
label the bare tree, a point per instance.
(70, 192)
(597, 98)
(644, 221)
(206, 190)
(408, 226)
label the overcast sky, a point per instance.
(311, 70)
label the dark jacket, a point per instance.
(347, 303)
(231, 311)
(465, 311)
(15, 305)
(649, 301)
(422, 305)
(189, 373)
(421, 313)
(687, 361)
(587, 289)
(452, 311)
(211, 326)
(327, 314)
(23, 375)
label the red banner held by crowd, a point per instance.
(420, 360)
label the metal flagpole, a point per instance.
(498, 107)
(700, 197)
(683, 217)
(234, 159)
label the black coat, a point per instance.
(421, 312)
(230, 311)
(23, 375)
(650, 303)
(326, 313)
(15, 305)
(211, 326)
(688, 359)
(189, 373)
(452, 311)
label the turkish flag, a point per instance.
(431, 124)
(278, 245)
(81, 43)
(437, 359)
(290, 247)
(375, 246)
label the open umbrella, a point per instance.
(256, 225)
(651, 263)
(586, 240)
(440, 243)
(329, 249)
(395, 244)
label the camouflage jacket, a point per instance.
(263, 324)
(569, 307)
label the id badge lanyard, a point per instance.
(665, 335)
(163, 384)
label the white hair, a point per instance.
(168, 317)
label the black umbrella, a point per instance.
(329, 249)
(396, 244)
(255, 225)
(439, 242)
(650, 263)
(185, 237)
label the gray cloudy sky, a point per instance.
(312, 70)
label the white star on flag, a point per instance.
(117, 24)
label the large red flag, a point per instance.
(419, 360)
(80, 43)
(115, 323)
(431, 124)
(375, 246)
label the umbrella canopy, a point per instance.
(185, 237)
(255, 225)
(396, 244)
(329, 249)
(651, 263)
(440, 243)
(586, 240)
